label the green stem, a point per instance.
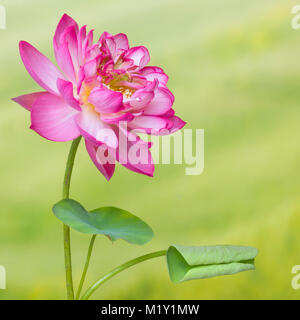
(66, 229)
(119, 269)
(69, 167)
(88, 258)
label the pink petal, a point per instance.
(27, 100)
(174, 124)
(70, 37)
(148, 123)
(92, 52)
(150, 74)
(170, 113)
(41, 69)
(142, 97)
(151, 69)
(139, 55)
(88, 42)
(87, 72)
(160, 126)
(64, 23)
(106, 169)
(177, 124)
(128, 141)
(53, 119)
(116, 44)
(132, 85)
(97, 131)
(125, 65)
(111, 45)
(105, 100)
(161, 77)
(65, 45)
(104, 36)
(81, 38)
(117, 117)
(121, 41)
(161, 103)
(64, 60)
(66, 90)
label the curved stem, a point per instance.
(119, 269)
(69, 167)
(66, 229)
(88, 258)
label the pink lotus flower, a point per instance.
(99, 86)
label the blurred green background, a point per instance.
(234, 68)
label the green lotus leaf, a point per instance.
(188, 263)
(113, 222)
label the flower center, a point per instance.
(114, 81)
(119, 83)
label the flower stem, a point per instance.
(86, 266)
(66, 229)
(119, 269)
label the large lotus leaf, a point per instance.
(113, 222)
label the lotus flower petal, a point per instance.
(41, 69)
(54, 119)
(107, 169)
